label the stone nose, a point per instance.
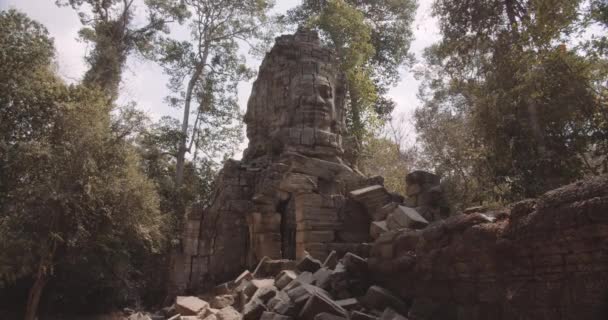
(315, 99)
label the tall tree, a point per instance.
(503, 71)
(206, 69)
(372, 39)
(70, 189)
(109, 25)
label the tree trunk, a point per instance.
(181, 152)
(35, 293)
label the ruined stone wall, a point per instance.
(542, 259)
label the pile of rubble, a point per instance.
(307, 290)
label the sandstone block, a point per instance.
(284, 278)
(320, 303)
(309, 264)
(271, 268)
(190, 306)
(328, 316)
(322, 278)
(377, 228)
(331, 261)
(223, 301)
(379, 298)
(253, 309)
(348, 304)
(355, 264)
(390, 314)
(404, 217)
(373, 197)
(358, 315)
(267, 315)
(228, 313)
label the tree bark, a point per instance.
(33, 299)
(181, 153)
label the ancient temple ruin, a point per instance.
(293, 198)
(288, 195)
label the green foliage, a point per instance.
(383, 157)
(72, 194)
(372, 39)
(109, 26)
(204, 72)
(507, 104)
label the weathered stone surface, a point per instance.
(379, 298)
(223, 301)
(322, 278)
(284, 278)
(355, 264)
(328, 316)
(331, 261)
(320, 303)
(228, 313)
(253, 309)
(139, 316)
(309, 264)
(190, 306)
(348, 304)
(377, 228)
(273, 316)
(390, 314)
(265, 294)
(358, 315)
(404, 217)
(541, 259)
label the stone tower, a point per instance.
(288, 195)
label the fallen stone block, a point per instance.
(349, 304)
(322, 278)
(253, 309)
(328, 316)
(245, 276)
(372, 198)
(309, 264)
(284, 278)
(383, 212)
(355, 264)
(379, 298)
(189, 318)
(190, 306)
(139, 316)
(390, 314)
(404, 217)
(265, 294)
(267, 315)
(377, 228)
(268, 268)
(223, 301)
(358, 315)
(320, 303)
(228, 313)
(224, 288)
(286, 307)
(331, 261)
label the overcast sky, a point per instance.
(144, 82)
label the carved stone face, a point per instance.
(312, 102)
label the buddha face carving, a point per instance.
(312, 102)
